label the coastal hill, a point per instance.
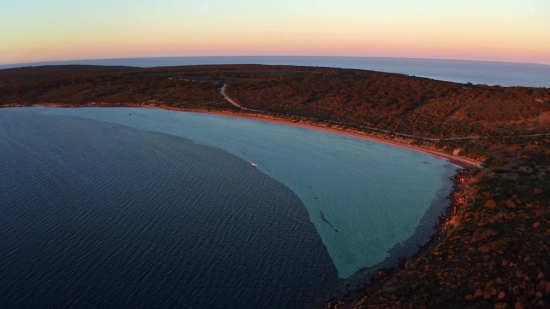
(489, 251)
(390, 101)
(28, 74)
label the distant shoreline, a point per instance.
(523, 74)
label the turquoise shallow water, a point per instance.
(363, 198)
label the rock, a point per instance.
(536, 224)
(501, 295)
(518, 305)
(408, 263)
(519, 274)
(539, 295)
(491, 204)
(537, 191)
(457, 151)
(510, 204)
(478, 293)
(489, 293)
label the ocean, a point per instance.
(148, 208)
(462, 71)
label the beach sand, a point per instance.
(462, 162)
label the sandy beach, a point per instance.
(462, 162)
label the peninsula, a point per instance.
(491, 249)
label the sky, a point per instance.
(495, 30)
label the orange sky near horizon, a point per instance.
(506, 33)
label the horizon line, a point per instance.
(61, 62)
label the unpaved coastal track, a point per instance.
(222, 91)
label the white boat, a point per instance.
(254, 164)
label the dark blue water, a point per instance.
(99, 215)
(477, 72)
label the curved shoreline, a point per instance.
(462, 162)
(367, 281)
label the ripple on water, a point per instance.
(98, 214)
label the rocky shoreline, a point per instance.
(384, 278)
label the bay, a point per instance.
(373, 195)
(154, 208)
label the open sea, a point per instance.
(462, 71)
(148, 208)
